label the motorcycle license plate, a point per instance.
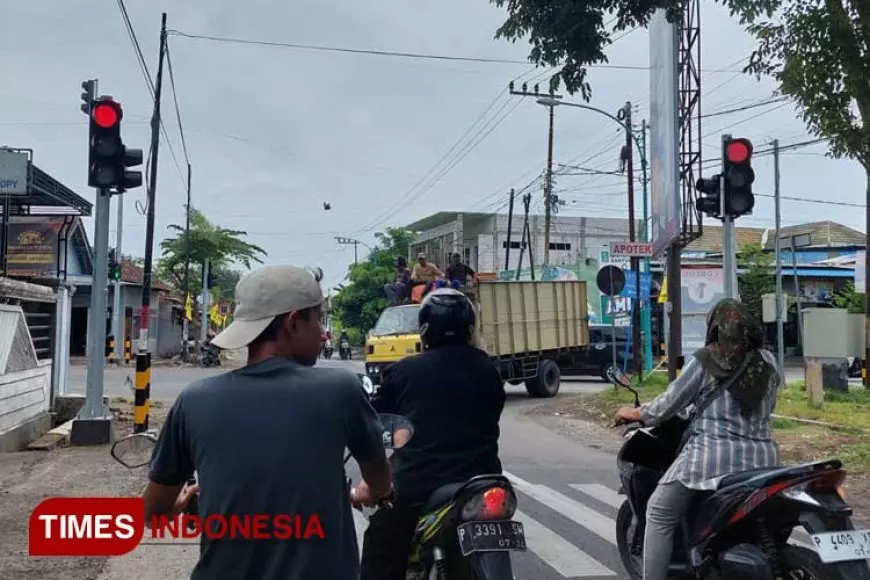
(842, 546)
(499, 536)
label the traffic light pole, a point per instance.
(120, 337)
(729, 268)
(206, 303)
(141, 400)
(93, 424)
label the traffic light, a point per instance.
(739, 199)
(710, 203)
(89, 88)
(108, 157)
(114, 267)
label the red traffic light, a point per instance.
(738, 151)
(106, 116)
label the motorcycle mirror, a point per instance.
(397, 431)
(367, 385)
(134, 450)
(619, 378)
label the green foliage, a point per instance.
(849, 299)
(361, 301)
(208, 242)
(757, 278)
(816, 50)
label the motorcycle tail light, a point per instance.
(796, 489)
(496, 503)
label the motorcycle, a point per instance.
(740, 530)
(344, 350)
(465, 530)
(210, 356)
(327, 349)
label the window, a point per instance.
(398, 320)
(514, 245)
(560, 246)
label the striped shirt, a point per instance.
(722, 441)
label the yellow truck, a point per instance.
(529, 329)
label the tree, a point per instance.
(359, 303)
(208, 242)
(849, 299)
(757, 278)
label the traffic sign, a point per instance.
(610, 280)
(631, 249)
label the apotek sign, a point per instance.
(13, 173)
(631, 249)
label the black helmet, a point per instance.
(446, 317)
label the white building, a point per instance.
(482, 239)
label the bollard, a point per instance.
(141, 400)
(110, 348)
(128, 350)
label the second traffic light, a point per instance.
(108, 158)
(114, 267)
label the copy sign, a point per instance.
(631, 249)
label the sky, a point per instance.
(271, 133)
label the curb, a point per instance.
(57, 437)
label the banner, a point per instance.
(32, 246)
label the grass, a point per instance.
(850, 412)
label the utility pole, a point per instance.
(117, 308)
(206, 303)
(548, 191)
(729, 268)
(780, 342)
(527, 202)
(350, 242)
(510, 224)
(632, 236)
(142, 396)
(185, 325)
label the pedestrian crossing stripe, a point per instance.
(565, 557)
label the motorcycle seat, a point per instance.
(447, 493)
(766, 475)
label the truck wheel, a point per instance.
(546, 383)
(609, 371)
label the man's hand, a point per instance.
(400, 438)
(361, 495)
(627, 414)
(185, 496)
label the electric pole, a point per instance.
(143, 356)
(117, 308)
(632, 236)
(780, 342)
(350, 242)
(185, 325)
(548, 191)
(507, 251)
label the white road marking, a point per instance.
(558, 553)
(583, 516)
(600, 492)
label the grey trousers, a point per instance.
(666, 508)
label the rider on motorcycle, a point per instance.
(732, 433)
(454, 397)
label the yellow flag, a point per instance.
(214, 314)
(188, 308)
(663, 293)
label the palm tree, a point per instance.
(208, 243)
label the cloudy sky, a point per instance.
(272, 133)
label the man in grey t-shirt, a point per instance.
(268, 440)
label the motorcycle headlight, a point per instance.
(496, 503)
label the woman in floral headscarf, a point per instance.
(734, 383)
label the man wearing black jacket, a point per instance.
(454, 397)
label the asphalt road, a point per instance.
(567, 491)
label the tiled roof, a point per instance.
(711, 240)
(133, 274)
(825, 234)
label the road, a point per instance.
(567, 493)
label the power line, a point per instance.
(398, 54)
(177, 108)
(746, 107)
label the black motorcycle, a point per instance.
(741, 530)
(465, 531)
(210, 355)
